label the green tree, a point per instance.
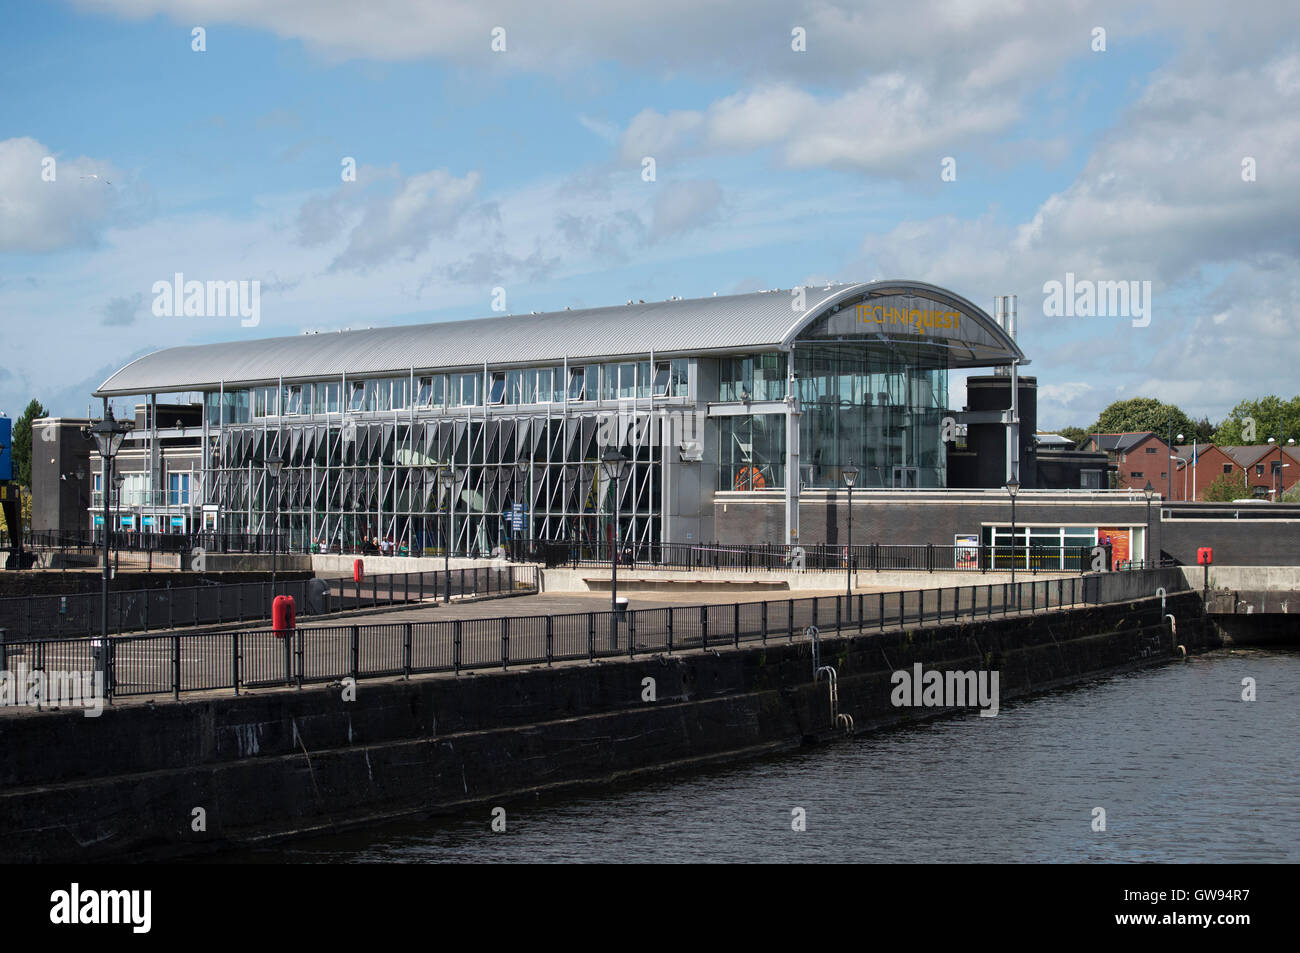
(22, 442)
(1204, 431)
(1144, 413)
(1077, 434)
(1271, 416)
(1292, 495)
(1224, 488)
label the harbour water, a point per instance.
(1184, 768)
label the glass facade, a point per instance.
(880, 408)
(751, 451)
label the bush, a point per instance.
(1225, 488)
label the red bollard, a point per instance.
(282, 616)
(358, 571)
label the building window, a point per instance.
(357, 396)
(577, 383)
(399, 390)
(643, 379)
(466, 390)
(498, 392)
(178, 489)
(1136, 474)
(1259, 469)
(661, 380)
(1090, 479)
(293, 400)
(1151, 449)
(1227, 468)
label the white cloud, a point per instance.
(37, 215)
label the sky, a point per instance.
(989, 147)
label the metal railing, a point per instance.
(142, 610)
(866, 557)
(175, 663)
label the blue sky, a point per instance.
(522, 168)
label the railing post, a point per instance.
(288, 660)
(790, 633)
(591, 636)
(406, 651)
(176, 667)
(550, 639)
(356, 649)
(234, 658)
(299, 651)
(456, 649)
(704, 627)
(839, 615)
(505, 642)
(763, 622)
(631, 632)
(929, 557)
(882, 611)
(670, 630)
(735, 626)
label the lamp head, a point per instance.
(1149, 490)
(614, 463)
(1013, 487)
(850, 475)
(274, 464)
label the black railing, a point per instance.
(866, 557)
(594, 553)
(142, 610)
(176, 663)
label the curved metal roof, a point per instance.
(728, 323)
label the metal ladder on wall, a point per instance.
(839, 719)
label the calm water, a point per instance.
(1185, 769)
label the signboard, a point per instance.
(146, 521)
(126, 521)
(1118, 540)
(99, 521)
(966, 551)
(178, 522)
(517, 517)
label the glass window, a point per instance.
(376, 395)
(178, 489)
(265, 401)
(661, 380)
(557, 384)
(357, 397)
(293, 401)
(498, 389)
(626, 381)
(643, 379)
(400, 386)
(424, 392)
(608, 381)
(680, 378)
(467, 390)
(577, 383)
(327, 397)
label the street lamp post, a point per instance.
(1185, 465)
(1013, 487)
(446, 477)
(1150, 491)
(109, 434)
(850, 475)
(523, 469)
(274, 464)
(614, 464)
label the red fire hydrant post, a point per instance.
(282, 616)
